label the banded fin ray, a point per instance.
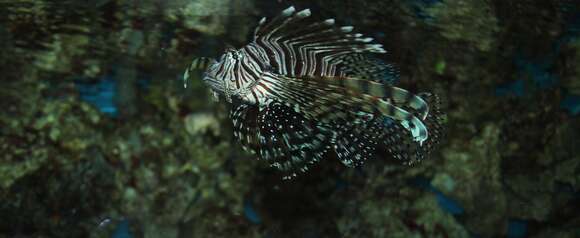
(298, 47)
(409, 151)
(279, 135)
(356, 142)
(434, 121)
(365, 67)
(395, 95)
(376, 137)
(290, 142)
(244, 120)
(320, 100)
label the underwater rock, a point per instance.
(476, 163)
(570, 82)
(446, 224)
(126, 88)
(408, 213)
(62, 52)
(473, 22)
(554, 170)
(63, 181)
(18, 161)
(171, 177)
(573, 84)
(213, 17)
(35, 129)
(200, 123)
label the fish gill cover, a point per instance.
(303, 90)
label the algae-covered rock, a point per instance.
(473, 22)
(556, 178)
(408, 213)
(215, 17)
(475, 166)
(63, 51)
(18, 161)
(570, 80)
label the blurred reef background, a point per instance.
(98, 137)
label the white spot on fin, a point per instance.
(369, 39)
(288, 11)
(303, 13)
(329, 21)
(346, 28)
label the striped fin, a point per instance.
(410, 152)
(434, 122)
(198, 64)
(292, 140)
(277, 134)
(298, 47)
(320, 100)
(361, 66)
(399, 144)
(288, 141)
(357, 141)
(243, 117)
(377, 137)
(395, 95)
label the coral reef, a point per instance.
(98, 138)
(471, 22)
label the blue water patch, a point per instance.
(341, 184)
(99, 93)
(571, 103)
(517, 228)
(515, 88)
(473, 234)
(122, 230)
(144, 81)
(539, 72)
(418, 7)
(251, 213)
(448, 204)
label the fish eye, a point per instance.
(231, 52)
(236, 55)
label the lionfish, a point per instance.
(303, 91)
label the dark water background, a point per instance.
(98, 137)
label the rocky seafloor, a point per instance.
(98, 137)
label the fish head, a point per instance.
(221, 76)
(214, 71)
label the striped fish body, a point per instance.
(304, 90)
